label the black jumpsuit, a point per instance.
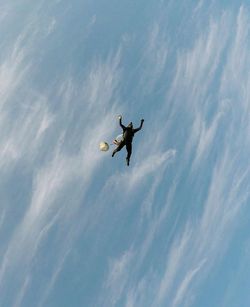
(128, 134)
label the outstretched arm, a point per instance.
(120, 122)
(139, 128)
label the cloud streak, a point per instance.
(156, 228)
(54, 169)
(201, 240)
(212, 232)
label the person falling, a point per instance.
(128, 134)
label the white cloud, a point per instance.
(150, 165)
(118, 275)
(207, 235)
(22, 137)
(22, 292)
(130, 262)
(4, 11)
(51, 26)
(177, 253)
(154, 58)
(57, 170)
(196, 68)
(2, 218)
(92, 21)
(134, 177)
(62, 168)
(198, 6)
(12, 71)
(180, 295)
(207, 134)
(52, 281)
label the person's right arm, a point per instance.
(120, 122)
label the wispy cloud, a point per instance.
(153, 166)
(22, 292)
(54, 169)
(51, 26)
(177, 253)
(131, 179)
(3, 12)
(58, 144)
(180, 295)
(200, 245)
(2, 217)
(210, 237)
(116, 280)
(151, 66)
(155, 58)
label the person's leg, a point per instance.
(118, 148)
(129, 152)
(117, 143)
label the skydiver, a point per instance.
(128, 134)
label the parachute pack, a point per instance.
(104, 146)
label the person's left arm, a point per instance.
(139, 128)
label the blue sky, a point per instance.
(79, 228)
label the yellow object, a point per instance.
(104, 146)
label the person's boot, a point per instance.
(113, 154)
(127, 159)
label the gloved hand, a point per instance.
(119, 117)
(142, 120)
